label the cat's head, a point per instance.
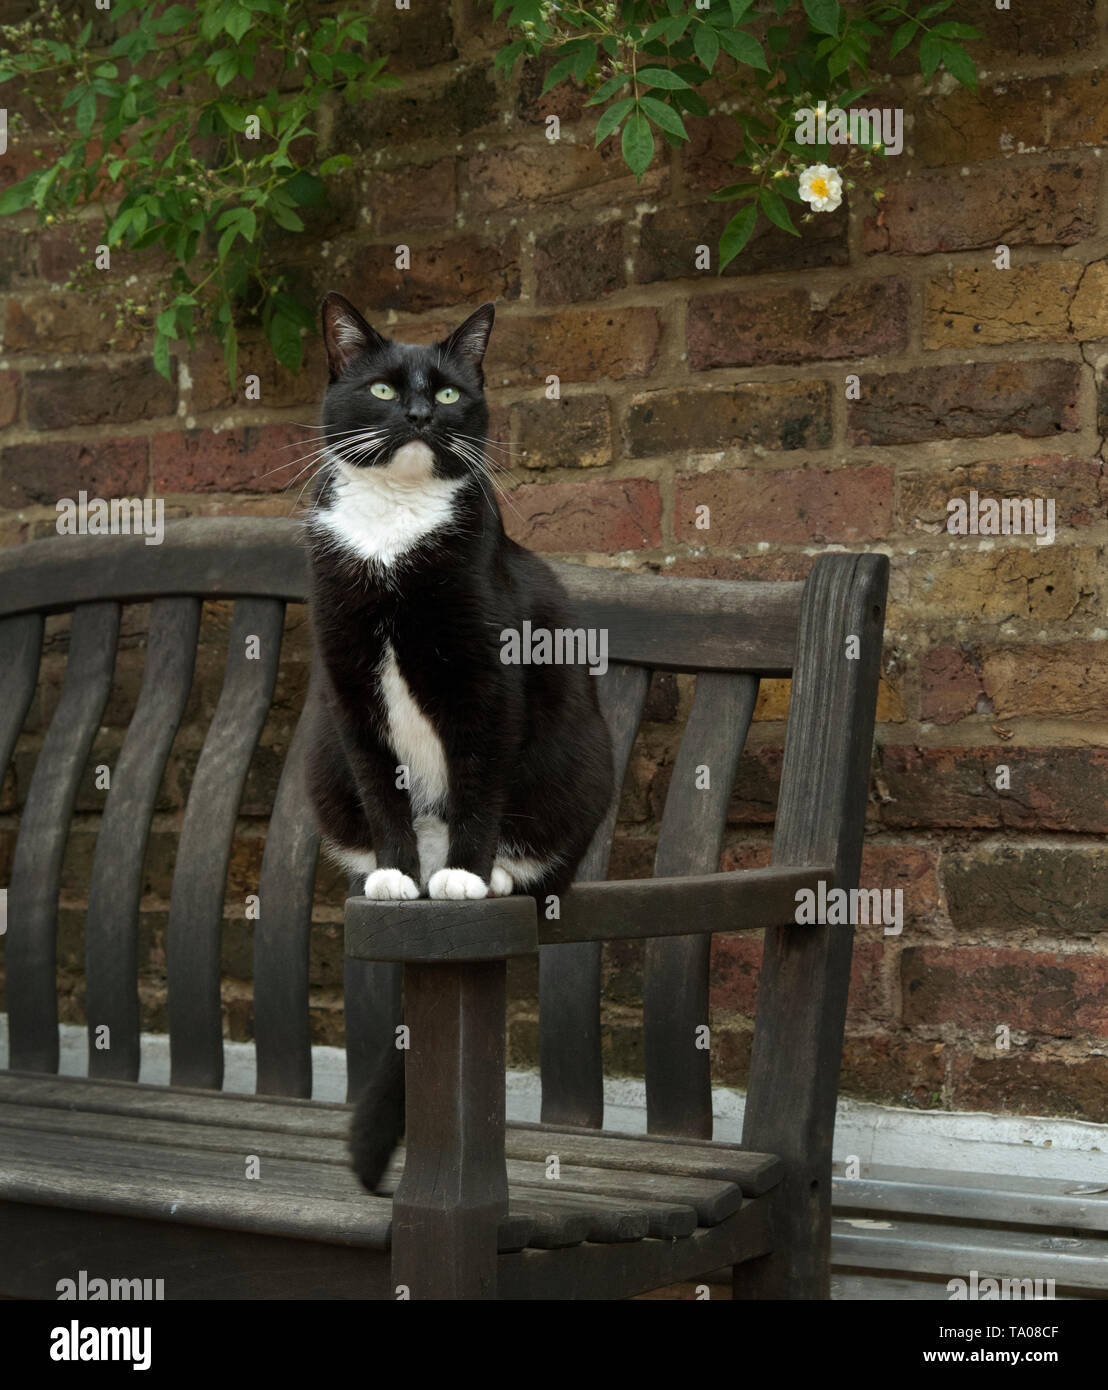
(385, 396)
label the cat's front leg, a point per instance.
(474, 830)
(388, 814)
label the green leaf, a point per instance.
(562, 69)
(739, 9)
(638, 144)
(284, 339)
(237, 23)
(609, 89)
(706, 44)
(86, 112)
(930, 55)
(663, 116)
(285, 217)
(960, 65)
(930, 11)
(824, 15)
(776, 211)
(161, 354)
(744, 48)
(19, 196)
(334, 164)
(692, 102)
(731, 192)
(611, 118)
(664, 78)
(949, 30)
(226, 241)
(736, 234)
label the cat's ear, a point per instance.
(470, 339)
(345, 333)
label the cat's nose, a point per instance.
(419, 412)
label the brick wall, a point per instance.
(680, 388)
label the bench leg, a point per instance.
(799, 1266)
(454, 1191)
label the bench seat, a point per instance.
(180, 1158)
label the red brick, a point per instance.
(17, 259)
(951, 685)
(980, 987)
(563, 274)
(1048, 205)
(98, 395)
(606, 517)
(248, 459)
(769, 415)
(501, 179)
(53, 323)
(968, 401)
(1067, 680)
(412, 198)
(40, 474)
(453, 272)
(574, 345)
(1078, 487)
(743, 329)
(1034, 113)
(1052, 891)
(571, 432)
(277, 385)
(566, 100)
(669, 239)
(9, 397)
(1051, 788)
(437, 113)
(893, 1071)
(790, 505)
(1032, 1085)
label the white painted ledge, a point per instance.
(956, 1141)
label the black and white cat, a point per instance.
(435, 767)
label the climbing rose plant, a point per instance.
(189, 128)
(784, 63)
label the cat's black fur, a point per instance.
(527, 751)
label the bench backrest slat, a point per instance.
(675, 969)
(204, 849)
(282, 934)
(20, 652)
(115, 889)
(44, 829)
(569, 976)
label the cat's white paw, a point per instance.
(501, 884)
(457, 883)
(390, 885)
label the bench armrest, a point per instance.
(423, 932)
(495, 928)
(692, 906)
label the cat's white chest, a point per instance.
(382, 513)
(419, 749)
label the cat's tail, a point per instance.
(378, 1119)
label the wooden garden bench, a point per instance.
(150, 1181)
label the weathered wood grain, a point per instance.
(115, 889)
(805, 974)
(204, 847)
(632, 909)
(31, 953)
(569, 976)
(441, 930)
(282, 934)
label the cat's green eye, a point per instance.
(447, 396)
(383, 391)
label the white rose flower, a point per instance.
(821, 186)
